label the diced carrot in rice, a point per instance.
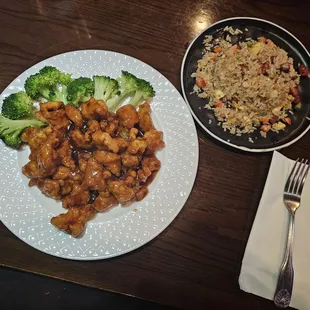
(288, 120)
(262, 39)
(201, 82)
(265, 128)
(219, 104)
(264, 120)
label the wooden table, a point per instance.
(195, 262)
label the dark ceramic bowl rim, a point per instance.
(257, 150)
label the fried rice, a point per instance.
(249, 85)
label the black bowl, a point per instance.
(255, 28)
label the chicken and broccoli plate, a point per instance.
(85, 150)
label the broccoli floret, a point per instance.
(80, 90)
(17, 106)
(143, 92)
(128, 81)
(10, 130)
(49, 83)
(132, 86)
(105, 87)
(12, 140)
(60, 94)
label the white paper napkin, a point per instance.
(266, 245)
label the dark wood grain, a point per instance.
(195, 262)
(36, 293)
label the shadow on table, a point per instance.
(20, 290)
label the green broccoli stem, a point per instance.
(114, 102)
(108, 93)
(99, 89)
(8, 126)
(106, 96)
(85, 98)
(105, 87)
(46, 93)
(61, 95)
(136, 99)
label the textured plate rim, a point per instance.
(192, 178)
(243, 148)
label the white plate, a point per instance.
(27, 212)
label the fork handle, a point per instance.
(283, 294)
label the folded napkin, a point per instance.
(266, 245)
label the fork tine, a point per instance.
(289, 179)
(303, 179)
(300, 176)
(297, 177)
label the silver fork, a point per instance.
(292, 193)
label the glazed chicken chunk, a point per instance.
(81, 140)
(65, 154)
(50, 188)
(94, 109)
(128, 116)
(74, 221)
(154, 140)
(103, 139)
(145, 120)
(94, 177)
(105, 201)
(137, 146)
(47, 156)
(74, 115)
(121, 191)
(110, 161)
(53, 113)
(34, 137)
(77, 197)
(32, 170)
